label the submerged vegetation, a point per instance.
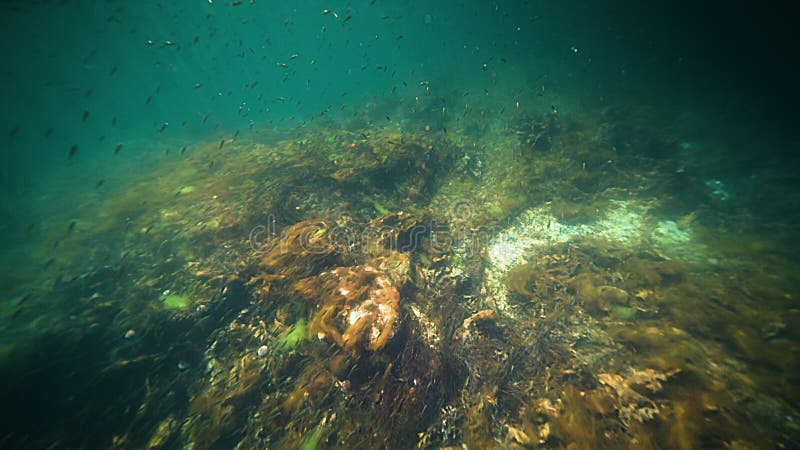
(537, 287)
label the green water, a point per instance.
(396, 224)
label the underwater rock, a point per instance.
(598, 299)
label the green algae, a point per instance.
(292, 337)
(311, 442)
(175, 301)
(624, 312)
(380, 208)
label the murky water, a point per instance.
(393, 225)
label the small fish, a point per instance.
(346, 19)
(149, 99)
(129, 334)
(24, 299)
(163, 127)
(48, 133)
(85, 115)
(71, 227)
(198, 85)
(117, 149)
(73, 150)
(99, 183)
(114, 121)
(168, 43)
(88, 93)
(150, 227)
(49, 262)
(283, 65)
(113, 71)
(183, 149)
(423, 83)
(221, 143)
(293, 56)
(196, 39)
(326, 11)
(16, 313)
(236, 3)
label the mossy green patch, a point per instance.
(292, 337)
(624, 312)
(186, 189)
(380, 208)
(175, 301)
(312, 440)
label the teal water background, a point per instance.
(59, 58)
(151, 78)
